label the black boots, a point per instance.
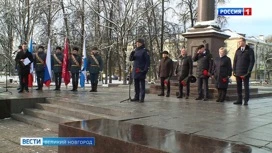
(221, 95)
(94, 87)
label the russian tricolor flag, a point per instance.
(47, 72)
(30, 75)
(83, 74)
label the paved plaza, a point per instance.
(250, 125)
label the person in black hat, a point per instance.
(141, 65)
(165, 72)
(39, 64)
(74, 67)
(204, 65)
(57, 59)
(221, 72)
(94, 66)
(184, 70)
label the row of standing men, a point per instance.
(94, 66)
(219, 69)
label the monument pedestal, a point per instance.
(210, 35)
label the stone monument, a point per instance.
(206, 30)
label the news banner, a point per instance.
(57, 141)
(235, 11)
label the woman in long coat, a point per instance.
(221, 72)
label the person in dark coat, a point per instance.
(24, 70)
(184, 70)
(204, 65)
(39, 64)
(141, 65)
(17, 66)
(57, 60)
(221, 72)
(74, 67)
(165, 72)
(94, 66)
(242, 66)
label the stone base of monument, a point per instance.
(113, 136)
(11, 105)
(231, 92)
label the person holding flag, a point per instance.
(74, 67)
(57, 59)
(39, 64)
(95, 66)
(24, 60)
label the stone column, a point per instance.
(206, 10)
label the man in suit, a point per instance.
(57, 59)
(74, 67)
(242, 66)
(24, 69)
(141, 65)
(94, 66)
(204, 65)
(184, 70)
(165, 72)
(39, 63)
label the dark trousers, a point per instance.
(239, 88)
(75, 77)
(19, 76)
(40, 78)
(163, 86)
(139, 88)
(181, 88)
(221, 94)
(58, 80)
(23, 81)
(202, 81)
(94, 78)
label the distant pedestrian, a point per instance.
(221, 72)
(141, 65)
(242, 67)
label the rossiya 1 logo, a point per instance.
(247, 11)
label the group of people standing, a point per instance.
(94, 66)
(220, 69)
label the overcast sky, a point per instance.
(260, 23)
